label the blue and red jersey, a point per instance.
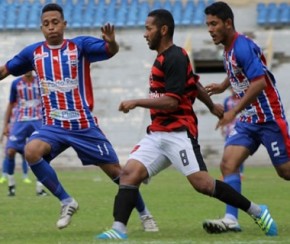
(244, 63)
(229, 103)
(64, 78)
(26, 97)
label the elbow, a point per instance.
(173, 104)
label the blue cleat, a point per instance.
(112, 234)
(266, 222)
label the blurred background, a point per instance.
(126, 75)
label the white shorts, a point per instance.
(158, 150)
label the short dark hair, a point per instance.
(220, 9)
(163, 17)
(52, 7)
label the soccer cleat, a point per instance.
(42, 193)
(149, 223)
(217, 226)
(66, 213)
(3, 180)
(11, 191)
(112, 234)
(27, 181)
(266, 222)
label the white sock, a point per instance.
(11, 180)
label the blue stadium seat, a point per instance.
(77, 16)
(111, 12)
(177, 11)
(122, 11)
(99, 18)
(23, 12)
(132, 13)
(144, 9)
(262, 14)
(189, 9)
(88, 14)
(67, 11)
(167, 5)
(284, 10)
(156, 4)
(198, 17)
(273, 14)
(11, 15)
(3, 6)
(33, 21)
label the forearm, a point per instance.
(225, 84)
(113, 47)
(251, 95)
(3, 72)
(162, 103)
(204, 97)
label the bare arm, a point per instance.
(3, 72)
(165, 102)
(108, 34)
(215, 109)
(7, 117)
(251, 95)
(216, 88)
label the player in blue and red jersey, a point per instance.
(172, 136)
(23, 116)
(262, 119)
(63, 71)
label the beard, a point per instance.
(155, 42)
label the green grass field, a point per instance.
(177, 208)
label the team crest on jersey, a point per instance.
(40, 56)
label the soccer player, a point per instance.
(63, 70)
(172, 135)
(5, 160)
(22, 117)
(262, 119)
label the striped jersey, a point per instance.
(26, 97)
(64, 78)
(172, 75)
(244, 63)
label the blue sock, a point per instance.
(47, 176)
(24, 166)
(140, 205)
(10, 165)
(234, 180)
(5, 166)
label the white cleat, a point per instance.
(149, 223)
(66, 212)
(221, 225)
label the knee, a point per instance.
(10, 153)
(31, 154)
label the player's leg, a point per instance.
(10, 154)
(38, 145)
(25, 170)
(3, 178)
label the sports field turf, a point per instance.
(178, 210)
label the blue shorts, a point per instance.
(273, 135)
(91, 145)
(19, 133)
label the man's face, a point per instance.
(52, 27)
(217, 29)
(152, 34)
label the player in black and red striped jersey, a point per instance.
(171, 137)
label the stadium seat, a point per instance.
(273, 14)
(77, 16)
(189, 9)
(177, 11)
(99, 18)
(156, 4)
(111, 12)
(144, 9)
(198, 17)
(88, 14)
(284, 16)
(3, 12)
(167, 5)
(262, 14)
(132, 13)
(23, 12)
(121, 16)
(11, 15)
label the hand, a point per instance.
(226, 119)
(218, 110)
(108, 33)
(126, 106)
(214, 88)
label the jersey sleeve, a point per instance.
(94, 49)
(175, 70)
(248, 57)
(22, 62)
